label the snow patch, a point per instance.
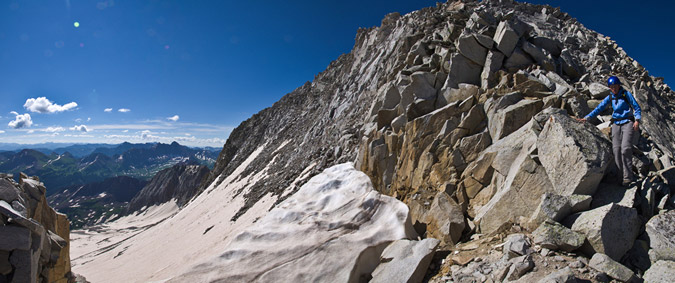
(53, 160)
(318, 234)
(155, 244)
(32, 182)
(240, 169)
(281, 146)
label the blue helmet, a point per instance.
(613, 80)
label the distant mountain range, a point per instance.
(82, 150)
(99, 202)
(79, 150)
(60, 168)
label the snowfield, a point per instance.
(163, 241)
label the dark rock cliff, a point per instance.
(179, 182)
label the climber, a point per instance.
(626, 110)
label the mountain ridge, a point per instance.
(470, 147)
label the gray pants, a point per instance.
(622, 144)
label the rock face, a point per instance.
(446, 219)
(661, 232)
(609, 229)
(33, 237)
(575, 155)
(662, 271)
(516, 245)
(553, 236)
(336, 219)
(604, 263)
(565, 275)
(180, 182)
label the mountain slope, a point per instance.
(97, 202)
(411, 106)
(179, 182)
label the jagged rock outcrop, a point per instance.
(180, 182)
(34, 239)
(573, 156)
(496, 150)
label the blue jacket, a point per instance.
(621, 104)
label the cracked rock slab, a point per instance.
(405, 261)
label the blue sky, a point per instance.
(191, 71)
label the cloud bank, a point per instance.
(43, 105)
(80, 128)
(54, 129)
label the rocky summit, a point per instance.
(460, 118)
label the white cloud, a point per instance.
(124, 110)
(151, 136)
(43, 105)
(31, 131)
(2, 132)
(78, 136)
(174, 118)
(184, 139)
(125, 131)
(121, 137)
(78, 120)
(146, 135)
(54, 129)
(21, 121)
(80, 128)
(215, 140)
(107, 110)
(88, 119)
(131, 126)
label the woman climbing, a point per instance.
(625, 122)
